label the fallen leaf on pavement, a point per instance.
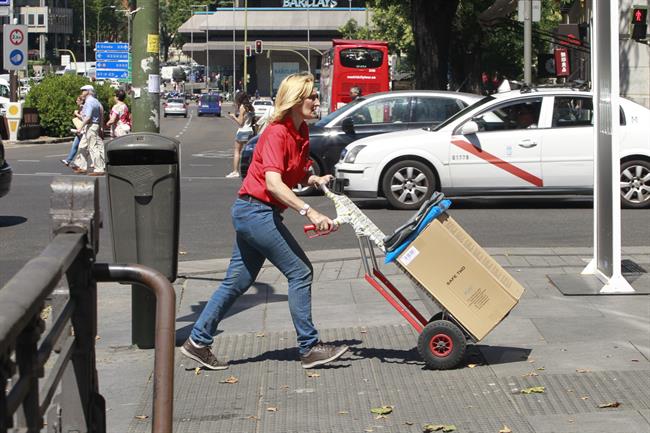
(253, 417)
(584, 397)
(530, 374)
(364, 331)
(343, 412)
(368, 430)
(312, 374)
(284, 387)
(231, 380)
(271, 409)
(505, 429)
(582, 370)
(383, 410)
(197, 370)
(610, 404)
(259, 335)
(408, 422)
(471, 365)
(541, 369)
(97, 338)
(533, 390)
(182, 253)
(381, 417)
(141, 416)
(438, 427)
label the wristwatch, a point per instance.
(304, 209)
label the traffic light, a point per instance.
(249, 51)
(639, 23)
(258, 47)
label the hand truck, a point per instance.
(442, 340)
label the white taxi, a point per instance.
(513, 143)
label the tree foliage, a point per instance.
(173, 13)
(55, 98)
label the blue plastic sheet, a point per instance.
(434, 212)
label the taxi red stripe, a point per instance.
(495, 160)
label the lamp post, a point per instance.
(234, 76)
(85, 42)
(129, 16)
(99, 12)
(308, 42)
(207, 50)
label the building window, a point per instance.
(30, 19)
(41, 19)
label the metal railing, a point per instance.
(48, 326)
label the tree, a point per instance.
(173, 13)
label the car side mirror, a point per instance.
(347, 125)
(470, 127)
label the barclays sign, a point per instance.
(309, 3)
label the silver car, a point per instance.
(175, 106)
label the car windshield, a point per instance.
(263, 103)
(176, 101)
(327, 119)
(462, 113)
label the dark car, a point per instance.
(5, 172)
(374, 114)
(209, 103)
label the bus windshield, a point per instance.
(361, 58)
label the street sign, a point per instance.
(111, 46)
(14, 46)
(112, 65)
(5, 8)
(102, 74)
(536, 10)
(112, 55)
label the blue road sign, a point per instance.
(16, 57)
(106, 73)
(112, 65)
(111, 46)
(5, 2)
(112, 55)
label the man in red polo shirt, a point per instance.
(280, 162)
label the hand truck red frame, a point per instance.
(442, 340)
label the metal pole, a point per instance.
(308, 41)
(146, 76)
(207, 50)
(97, 28)
(192, 52)
(84, 32)
(245, 77)
(528, 26)
(234, 76)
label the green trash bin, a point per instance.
(144, 201)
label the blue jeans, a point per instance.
(261, 235)
(73, 149)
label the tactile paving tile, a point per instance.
(275, 395)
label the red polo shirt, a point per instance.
(281, 149)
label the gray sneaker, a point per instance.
(322, 354)
(202, 355)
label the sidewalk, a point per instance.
(586, 351)
(40, 140)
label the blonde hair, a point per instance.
(293, 90)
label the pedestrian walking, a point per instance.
(245, 117)
(120, 118)
(91, 146)
(76, 121)
(280, 162)
(355, 92)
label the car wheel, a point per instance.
(185, 116)
(303, 190)
(407, 184)
(635, 184)
(199, 114)
(165, 115)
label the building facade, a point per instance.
(294, 34)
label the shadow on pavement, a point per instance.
(10, 220)
(291, 354)
(259, 293)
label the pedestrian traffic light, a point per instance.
(258, 47)
(249, 51)
(639, 23)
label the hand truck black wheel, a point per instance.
(442, 345)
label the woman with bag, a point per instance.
(120, 120)
(245, 131)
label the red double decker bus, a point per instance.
(350, 63)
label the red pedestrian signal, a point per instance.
(249, 51)
(639, 23)
(258, 47)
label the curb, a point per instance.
(48, 140)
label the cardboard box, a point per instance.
(461, 276)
